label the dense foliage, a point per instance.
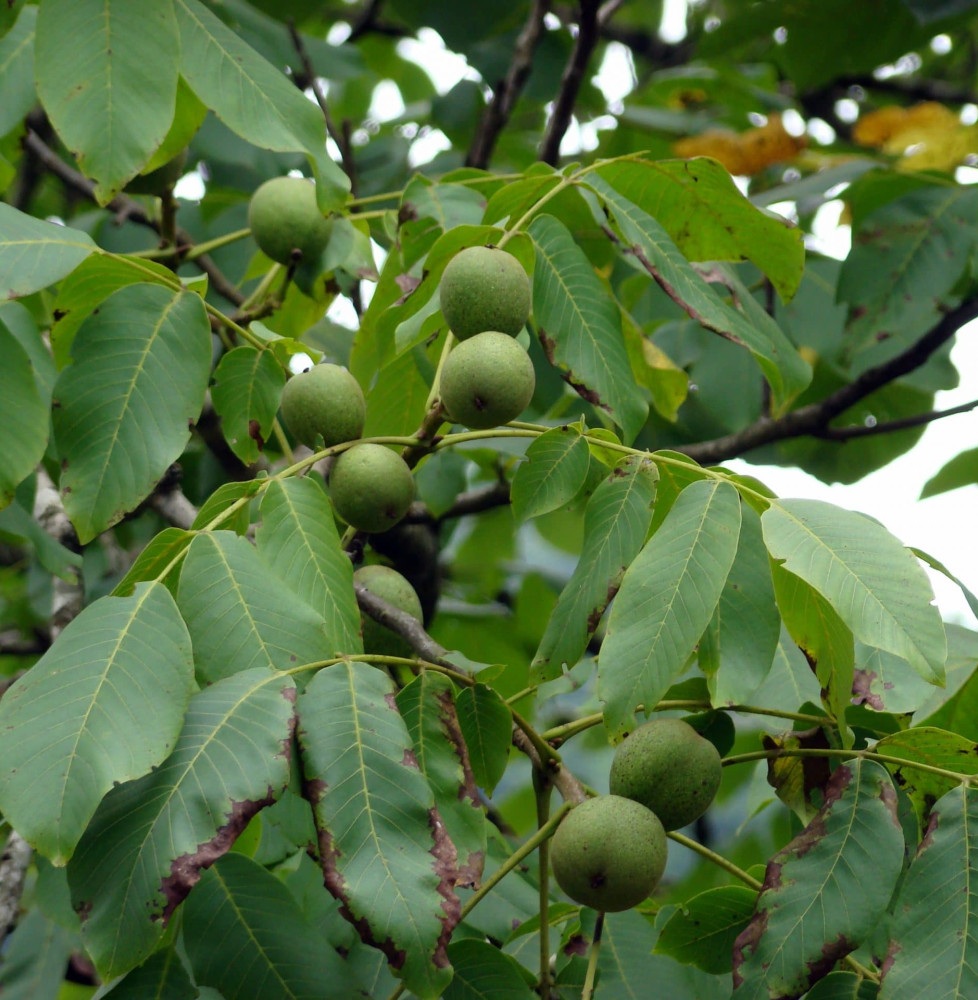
(207, 788)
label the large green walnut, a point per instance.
(389, 585)
(483, 288)
(669, 768)
(286, 221)
(487, 380)
(324, 401)
(371, 486)
(609, 853)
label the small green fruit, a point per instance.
(388, 584)
(668, 767)
(371, 486)
(487, 380)
(483, 288)
(609, 853)
(286, 222)
(325, 400)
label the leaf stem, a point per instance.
(718, 859)
(868, 754)
(592, 959)
(544, 833)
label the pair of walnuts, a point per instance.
(610, 851)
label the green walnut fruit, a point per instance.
(483, 288)
(371, 486)
(388, 584)
(609, 853)
(286, 221)
(669, 768)
(487, 380)
(326, 400)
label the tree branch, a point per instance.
(129, 208)
(409, 628)
(508, 89)
(889, 426)
(814, 419)
(13, 868)
(170, 502)
(570, 83)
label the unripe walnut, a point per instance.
(286, 222)
(609, 853)
(371, 487)
(324, 401)
(487, 380)
(483, 288)
(669, 768)
(389, 585)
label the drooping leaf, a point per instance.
(700, 207)
(35, 253)
(935, 748)
(17, 69)
(427, 706)
(239, 615)
(483, 972)
(667, 598)
(825, 891)
(384, 852)
(874, 584)
(23, 417)
(298, 541)
(887, 683)
(783, 367)
(933, 949)
(580, 326)
(151, 838)
(702, 930)
(123, 409)
(616, 522)
(114, 116)
(103, 705)
(738, 647)
(279, 953)
(247, 387)
(251, 97)
(487, 727)
(555, 469)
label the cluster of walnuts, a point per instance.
(487, 379)
(610, 851)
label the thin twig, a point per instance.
(508, 89)
(570, 83)
(813, 419)
(889, 426)
(130, 209)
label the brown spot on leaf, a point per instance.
(446, 868)
(410, 760)
(747, 940)
(862, 693)
(185, 870)
(254, 432)
(577, 944)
